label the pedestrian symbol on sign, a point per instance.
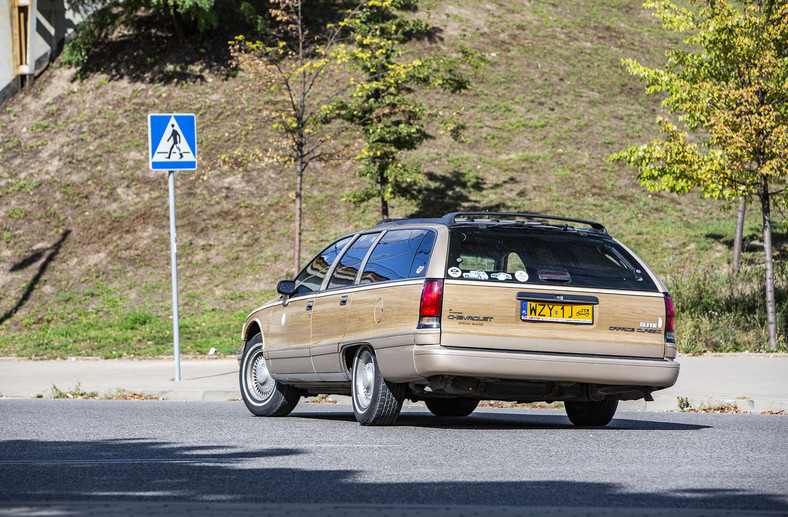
(176, 139)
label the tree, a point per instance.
(729, 87)
(295, 67)
(313, 108)
(384, 106)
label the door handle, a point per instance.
(343, 301)
(309, 306)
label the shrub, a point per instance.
(726, 311)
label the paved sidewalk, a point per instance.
(201, 379)
(753, 382)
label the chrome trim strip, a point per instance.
(275, 301)
(378, 338)
(360, 340)
(331, 292)
(557, 354)
(347, 290)
(542, 287)
(390, 283)
(311, 377)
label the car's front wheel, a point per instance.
(591, 413)
(262, 394)
(451, 407)
(376, 401)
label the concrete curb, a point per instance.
(753, 383)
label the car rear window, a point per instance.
(399, 254)
(543, 256)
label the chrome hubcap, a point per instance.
(365, 380)
(262, 382)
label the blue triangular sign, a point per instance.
(172, 141)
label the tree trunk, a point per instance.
(297, 214)
(384, 204)
(737, 241)
(771, 313)
(300, 110)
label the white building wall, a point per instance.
(55, 22)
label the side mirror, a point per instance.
(286, 287)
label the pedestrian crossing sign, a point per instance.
(172, 141)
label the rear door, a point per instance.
(549, 291)
(331, 306)
(385, 305)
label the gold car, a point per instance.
(458, 309)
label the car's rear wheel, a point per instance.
(262, 394)
(591, 413)
(451, 407)
(376, 401)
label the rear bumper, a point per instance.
(432, 360)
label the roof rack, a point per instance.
(452, 218)
(398, 221)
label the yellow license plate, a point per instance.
(557, 312)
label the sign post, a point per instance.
(172, 144)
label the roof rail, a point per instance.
(452, 218)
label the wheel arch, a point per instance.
(251, 329)
(349, 352)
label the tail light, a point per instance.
(670, 319)
(431, 302)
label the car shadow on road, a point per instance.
(109, 471)
(499, 420)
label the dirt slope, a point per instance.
(84, 222)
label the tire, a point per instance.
(376, 401)
(451, 407)
(262, 394)
(591, 413)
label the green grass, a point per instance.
(726, 312)
(99, 322)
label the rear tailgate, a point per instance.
(547, 319)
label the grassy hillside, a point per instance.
(84, 229)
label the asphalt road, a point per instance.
(99, 451)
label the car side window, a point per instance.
(419, 266)
(311, 277)
(347, 269)
(393, 256)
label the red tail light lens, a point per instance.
(431, 302)
(670, 319)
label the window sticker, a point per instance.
(521, 276)
(455, 272)
(501, 276)
(475, 275)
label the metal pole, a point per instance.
(176, 342)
